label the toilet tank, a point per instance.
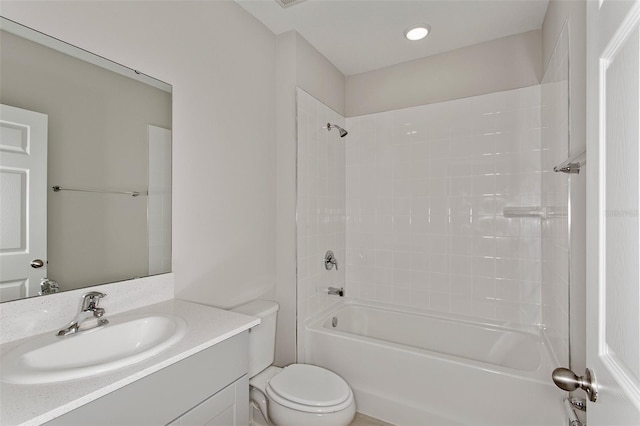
(262, 337)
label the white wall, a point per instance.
(298, 64)
(224, 127)
(574, 11)
(507, 63)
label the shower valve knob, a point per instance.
(330, 260)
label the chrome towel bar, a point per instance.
(58, 188)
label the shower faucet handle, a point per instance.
(330, 260)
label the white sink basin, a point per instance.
(124, 341)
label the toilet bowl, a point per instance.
(298, 394)
(301, 394)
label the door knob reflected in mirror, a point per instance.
(37, 263)
(567, 380)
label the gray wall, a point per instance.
(503, 64)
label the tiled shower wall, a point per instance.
(320, 207)
(555, 196)
(426, 188)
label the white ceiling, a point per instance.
(363, 35)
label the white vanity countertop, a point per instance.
(37, 404)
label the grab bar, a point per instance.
(58, 188)
(572, 165)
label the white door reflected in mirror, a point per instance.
(23, 202)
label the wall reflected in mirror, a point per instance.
(101, 133)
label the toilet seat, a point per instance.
(291, 388)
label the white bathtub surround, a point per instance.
(320, 206)
(555, 192)
(415, 367)
(426, 187)
(456, 287)
(36, 315)
(35, 404)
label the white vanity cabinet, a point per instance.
(210, 387)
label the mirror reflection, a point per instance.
(85, 168)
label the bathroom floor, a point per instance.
(362, 420)
(359, 420)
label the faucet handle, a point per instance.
(89, 304)
(90, 300)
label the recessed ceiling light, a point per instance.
(417, 32)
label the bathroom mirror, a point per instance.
(85, 168)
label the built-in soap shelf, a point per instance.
(572, 165)
(535, 212)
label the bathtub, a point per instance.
(421, 368)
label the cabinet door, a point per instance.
(229, 407)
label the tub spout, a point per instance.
(336, 291)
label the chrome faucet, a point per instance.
(88, 309)
(48, 286)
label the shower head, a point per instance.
(342, 131)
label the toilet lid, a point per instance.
(310, 385)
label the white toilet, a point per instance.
(295, 395)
